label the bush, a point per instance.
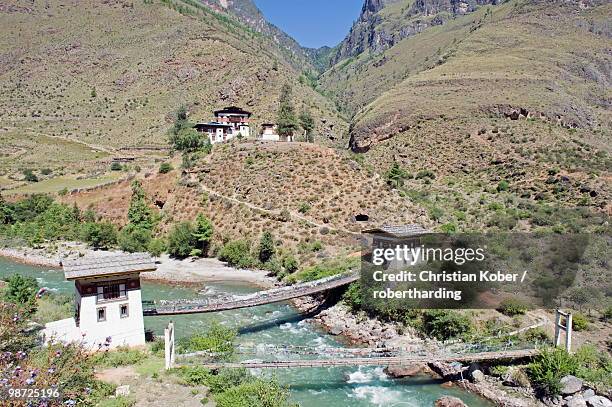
(512, 307)
(122, 356)
(165, 168)
(156, 247)
(139, 213)
(266, 247)
(217, 339)
(329, 267)
(396, 175)
(181, 240)
(256, 393)
(503, 186)
(425, 174)
(445, 324)
(203, 233)
(304, 207)
(352, 296)
(116, 166)
(30, 176)
(46, 171)
(237, 253)
(101, 235)
(134, 239)
(547, 369)
(579, 322)
(21, 291)
(290, 264)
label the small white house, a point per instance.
(229, 122)
(269, 132)
(108, 302)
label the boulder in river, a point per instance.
(448, 401)
(406, 371)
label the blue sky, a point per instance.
(313, 23)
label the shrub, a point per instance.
(547, 369)
(139, 213)
(237, 253)
(266, 247)
(255, 393)
(352, 296)
(30, 176)
(116, 166)
(445, 324)
(579, 322)
(304, 207)
(101, 235)
(122, 356)
(165, 168)
(46, 171)
(22, 291)
(503, 186)
(203, 233)
(607, 314)
(156, 247)
(396, 175)
(134, 239)
(290, 264)
(217, 339)
(512, 307)
(182, 240)
(425, 174)
(329, 267)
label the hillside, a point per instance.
(301, 192)
(111, 74)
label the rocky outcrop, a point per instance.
(367, 34)
(448, 401)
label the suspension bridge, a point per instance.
(301, 357)
(229, 302)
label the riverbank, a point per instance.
(171, 271)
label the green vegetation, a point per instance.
(29, 176)
(122, 356)
(266, 247)
(165, 168)
(513, 307)
(286, 120)
(445, 324)
(237, 253)
(328, 267)
(580, 322)
(100, 235)
(182, 240)
(216, 339)
(21, 291)
(396, 175)
(308, 124)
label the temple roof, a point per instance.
(98, 266)
(232, 110)
(399, 230)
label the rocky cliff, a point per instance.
(383, 23)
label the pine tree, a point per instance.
(287, 122)
(203, 233)
(139, 214)
(266, 247)
(307, 123)
(396, 175)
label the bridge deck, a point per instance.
(377, 361)
(260, 298)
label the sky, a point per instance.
(313, 23)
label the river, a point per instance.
(278, 324)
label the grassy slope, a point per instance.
(436, 101)
(271, 178)
(144, 60)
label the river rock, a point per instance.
(570, 385)
(405, 371)
(122, 391)
(598, 401)
(576, 401)
(588, 393)
(477, 376)
(448, 401)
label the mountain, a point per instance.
(493, 111)
(112, 73)
(248, 13)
